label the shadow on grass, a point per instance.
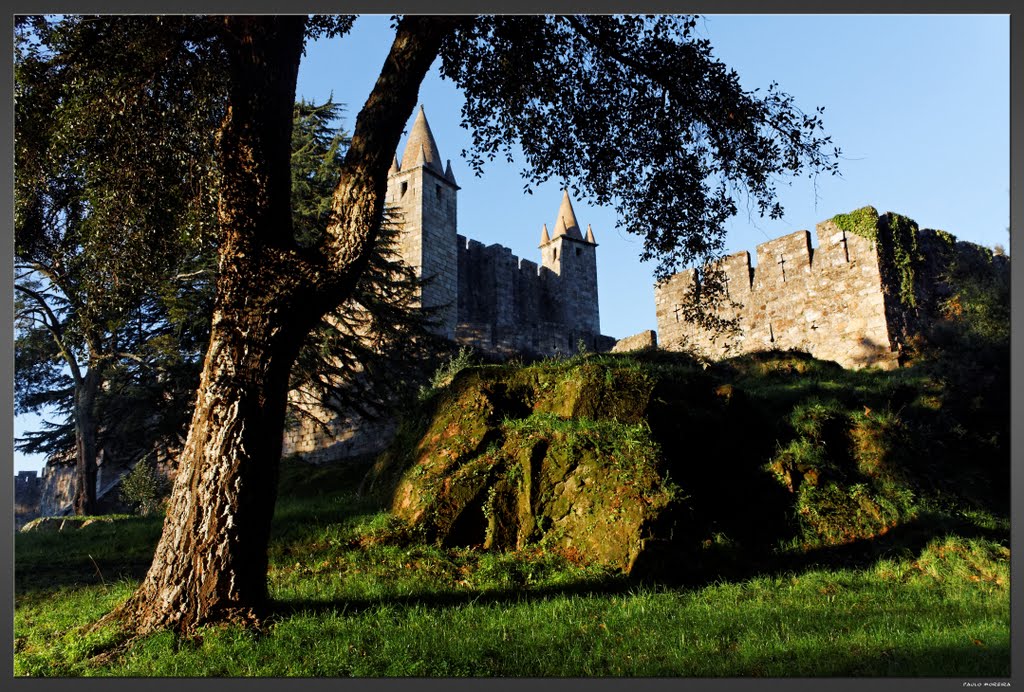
(94, 555)
(906, 541)
(452, 599)
(675, 572)
(942, 662)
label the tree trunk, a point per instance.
(85, 443)
(211, 561)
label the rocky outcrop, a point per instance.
(562, 454)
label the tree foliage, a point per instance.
(634, 112)
(110, 272)
(145, 487)
(354, 360)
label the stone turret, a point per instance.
(424, 197)
(573, 260)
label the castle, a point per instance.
(484, 295)
(872, 287)
(851, 300)
(481, 295)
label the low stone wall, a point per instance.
(339, 439)
(638, 342)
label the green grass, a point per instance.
(355, 595)
(893, 562)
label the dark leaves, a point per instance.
(637, 113)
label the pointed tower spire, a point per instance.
(421, 139)
(448, 172)
(394, 166)
(566, 223)
(544, 237)
(590, 235)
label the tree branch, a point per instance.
(359, 198)
(190, 275)
(55, 330)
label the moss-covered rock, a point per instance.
(557, 453)
(656, 462)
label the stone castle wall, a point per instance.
(57, 490)
(508, 305)
(27, 492)
(342, 438)
(828, 302)
(842, 301)
(505, 306)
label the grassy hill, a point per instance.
(815, 522)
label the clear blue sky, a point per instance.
(919, 105)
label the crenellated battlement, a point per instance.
(847, 300)
(507, 304)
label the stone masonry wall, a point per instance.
(322, 436)
(862, 298)
(829, 302)
(508, 305)
(58, 490)
(342, 439)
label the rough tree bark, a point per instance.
(211, 561)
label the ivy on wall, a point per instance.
(897, 236)
(862, 222)
(906, 254)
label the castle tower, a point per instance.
(572, 258)
(422, 196)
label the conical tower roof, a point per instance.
(590, 235)
(566, 223)
(421, 139)
(544, 237)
